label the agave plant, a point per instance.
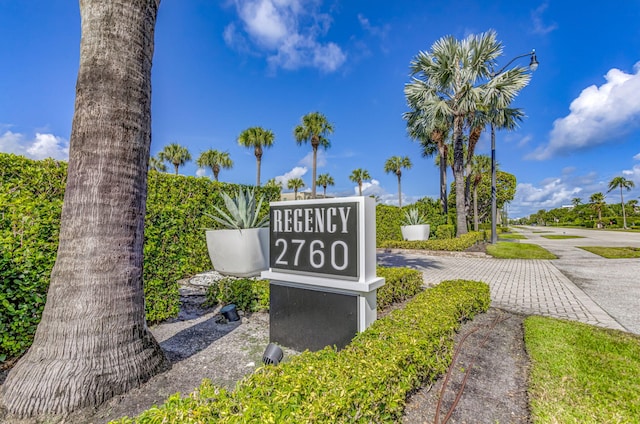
(242, 211)
(413, 217)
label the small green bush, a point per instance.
(368, 381)
(445, 232)
(248, 294)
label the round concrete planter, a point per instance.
(415, 232)
(240, 253)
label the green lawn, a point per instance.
(509, 250)
(512, 236)
(581, 373)
(540, 232)
(613, 252)
(560, 237)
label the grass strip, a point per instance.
(560, 237)
(509, 250)
(582, 374)
(512, 236)
(613, 252)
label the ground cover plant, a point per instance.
(581, 373)
(510, 250)
(560, 237)
(614, 252)
(367, 381)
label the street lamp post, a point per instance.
(533, 65)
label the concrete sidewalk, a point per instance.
(579, 286)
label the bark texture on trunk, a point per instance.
(93, 342)
(458, 174)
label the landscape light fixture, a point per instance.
(272, 355)
(533, 65)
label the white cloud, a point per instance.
(297, 172)
(599, 115)
(633, 174)
(539, 27)
(41, 147)
(370, 188)
(201, 172)
(321, 159)
(637, 157)
(288, 32)
(551, 194)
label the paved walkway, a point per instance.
(578, 286)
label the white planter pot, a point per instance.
(240, 253)
(415, 232)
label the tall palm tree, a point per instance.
(175, 154)
(325, 180)
(597, 203)
(314, 128)
(295, 184)
(92, 342)
(215, 160)
(358, 176)
(257, 138)
(480, 168)
(157, 165)
(453, 81)
(394, 165)
(621, 182)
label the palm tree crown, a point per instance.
(451, 83)
(314, 128)
(256, 138)
(621, 182)
(295, 184)
(325, 180)
(597, 203)
(157, 165)
(358, 176)
(175, 154)
(215, 160)
(394, 165)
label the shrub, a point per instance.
(445, 231)
(400, 284)
(367, 381)
(248, 294)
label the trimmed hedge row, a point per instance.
(368, 381)
(31, 194)
(456, 244)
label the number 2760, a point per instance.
(338, 253)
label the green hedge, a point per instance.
(31, 194)
(252, 295)
(400, 284)
(457, 244)
(368, 381)
(389, 218)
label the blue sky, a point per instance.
(223, 66)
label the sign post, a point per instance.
(322, 268)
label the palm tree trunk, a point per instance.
(399, 192)
(92, 342)
(443, 183)
(258, 165)
(458, 173)
(624, 215)
(475, 208)
(360, 188)
(313, 172)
